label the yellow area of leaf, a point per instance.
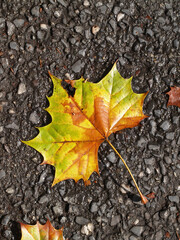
(40, 232)
(81, 123)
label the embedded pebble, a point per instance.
(120, 16)
(137, 31)
(87, 229)
(116, 10)
(141, 142)
(159, 235)
(77, 66)
(12, 125)
(43, 199)
(165, 125)
(21, 88)
(112, 157)
(86, 3)
(170, 136)
(5, 62)
(19, 22)
(34, 118)
(137, 230)
(2, 174)
(35, 11)
(40, 34)
(95, 29)
(10, 28)
(58, 210)
(132, 238)
(44, 26)
(154, 147)
(149, 161)
(14, 46)
(79, 29)
(5, 220)
(174, 199)
(58, 13)
(29, 48)
(10, 190)
(82, 220)
(63, 3)
(94, 207)
(115, 220)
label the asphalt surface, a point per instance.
(84, 37)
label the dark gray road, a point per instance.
(85, 37)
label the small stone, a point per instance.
(82, 220)
(103, 9)
(174, 199)
(165, 125)
(154, 147)
(58, 210)
(86, 3)
(170, 136)
(112, 157)
(34, 118)
(5, 220)
(137, 230)
(95, 29)
(159, 235)
(29, 48)
(141, 142)
(115, 220)
(43, 199)
(163, 168)
(82, 52)
(10, 28)
(87, 229)
(176, 43)
(2, 22)
(63, 3)
(112, 22)
(19, 22)
(5, 63)
(58, 13)
(116, 10)
(94, 207)
(77, 66)
(42, 177)
(40, 34)
(2, 174)
(88, 34)
(79, 29)
(137, 31)
(12, 126)
(14, 46)
(35, 11)
(161, 20)
(149, 161)
(1, 70)
(21, 88)
(44, 26)
(10, 190)
(133, 238)
(120, 16)
(149, 32)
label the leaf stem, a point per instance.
(143, 198)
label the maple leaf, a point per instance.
(174, 96)
(40, 232)
(81, 123)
